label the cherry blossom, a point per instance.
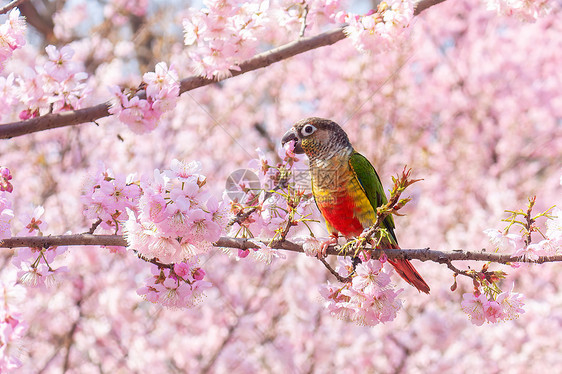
(379, 30)
(368, 299)
(225, 34)
(475, 306)
(5, 177)
(107, 197)
(60, 65)
(181, 287)
(56, 85)
(38, 267)
(506, 306)
(311, 245)
(504, 242)
(12, 35)
(176, 218)
(529, 252)
(142, 115)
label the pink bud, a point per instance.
(199, 274)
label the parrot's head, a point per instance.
(319, 138)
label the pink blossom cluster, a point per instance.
(107, 197)
(503, 307)
(181, 286)
(551, 243)
(5, 177)
(36, 265)
(225, 33)
(12, 35)
(379, 30)
(368, 299)
(57, 85)
(12, 327)
(527, 10)
(162, 89)
(330, 9)
(177, 218)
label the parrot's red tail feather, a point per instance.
(407, 271)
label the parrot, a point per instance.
(346, 188)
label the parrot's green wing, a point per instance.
(372, 186)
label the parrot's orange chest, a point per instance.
(340, 197)
(340, 215)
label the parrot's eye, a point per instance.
(308, 130)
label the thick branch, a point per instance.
(272, 56)
(11, 5)
(90, 114)
(424, 4)
(422, 254)
(54, 120)
(61, 240)
(42, 23)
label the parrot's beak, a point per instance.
(291, 135)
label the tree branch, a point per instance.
(90, 114)
(424, 4)
(422, 254)
(262, 60)
(42, 23)
(11, 5)
(54, 120)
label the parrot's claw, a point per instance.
(324, 246)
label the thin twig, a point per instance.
(529, 221)
(303, 24)
(94, 226)
(456, 270)
(334, 273)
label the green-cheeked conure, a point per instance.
(346, 187)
